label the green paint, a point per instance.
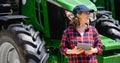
(69, 5)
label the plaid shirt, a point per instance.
(70, 39)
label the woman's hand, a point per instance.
(91, 51)
(75, 51)
(78, 50)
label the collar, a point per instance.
(87, 28)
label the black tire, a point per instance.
(109, 28)
(20, 43)
(115, 34)
(10, 51)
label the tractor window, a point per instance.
(57, 19)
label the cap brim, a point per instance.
(87, 11)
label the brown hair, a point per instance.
(75, 21)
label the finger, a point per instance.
(75, 48)
(81, 48)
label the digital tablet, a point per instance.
(85, 46)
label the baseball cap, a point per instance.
(81, 8)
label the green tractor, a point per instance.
(108, 18)
(31, 30)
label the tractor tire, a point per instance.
(20, 43)
(109, 28)
(115, 33)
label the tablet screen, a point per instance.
(85, 46)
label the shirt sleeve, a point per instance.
(64, 43)
(98, 43)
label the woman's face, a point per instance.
(84, 17)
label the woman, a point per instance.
(80, 32)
